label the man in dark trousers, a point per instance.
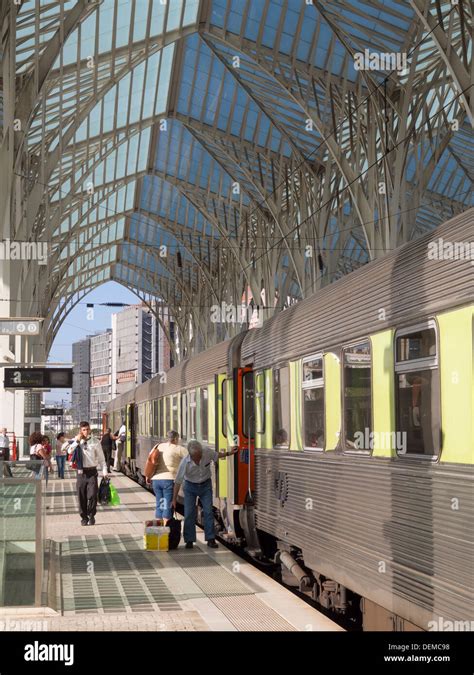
(195, 471)
(87, 455)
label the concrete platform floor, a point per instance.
(108, 582)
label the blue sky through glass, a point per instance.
(77, 326)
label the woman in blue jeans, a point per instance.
(169, 459)
(61, 453)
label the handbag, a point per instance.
(152, 462)
(114, 496)
(104, 491)
(33, 464)
(175, 532)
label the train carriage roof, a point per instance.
(403, 286)
(193, 372)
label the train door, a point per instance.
(244, 433)
(129, 423)
(220, 388)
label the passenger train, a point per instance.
(353, 413)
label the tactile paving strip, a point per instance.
(213, 579)
(99, 575)
(248, 613)
(61, 497)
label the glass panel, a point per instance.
(260, 404)
(312, 370)
(184, 411)
(248, 405)
(192, 412)
(417, 398)
(204, 413)
(313, 415)
(417, 345)
(155, 418)
(160, 416)
(168, 414)
(357, 394)
(175, 413)
(281, 407)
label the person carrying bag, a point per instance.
(161, 469)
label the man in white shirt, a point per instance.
(88, 455)
(5, 451)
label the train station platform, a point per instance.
(106, 581)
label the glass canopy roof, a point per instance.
(201, 152)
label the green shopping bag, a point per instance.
(114, 496)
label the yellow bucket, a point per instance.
(156, 538)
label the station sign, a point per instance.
(19, 327)
(52, 412)
(38, 378)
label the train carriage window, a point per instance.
(281, 407)
(248, 392)
(141, 415)
(175, 421)
(204, 403)
(149, 425)
(313, 402)
(168, 414)
(260, 403)
(161, 433)
(184, 415)
(357, 396)
(417, 391)
(155, 418)
(192, 412)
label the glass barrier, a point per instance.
(22, 532)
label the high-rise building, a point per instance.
(100, 375)
(81, 380)
(140, 349)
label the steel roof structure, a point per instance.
(209, 151)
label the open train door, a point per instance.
(244, 460)
(220, 381)
(244, 426)
(129, 422)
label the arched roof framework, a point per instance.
(237, 136)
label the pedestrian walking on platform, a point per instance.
(5, 452)
(107, 442)
(169, 458)
(195, 471)
(47, 452)
(37, 453)
(87, 455)
(62, 446)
